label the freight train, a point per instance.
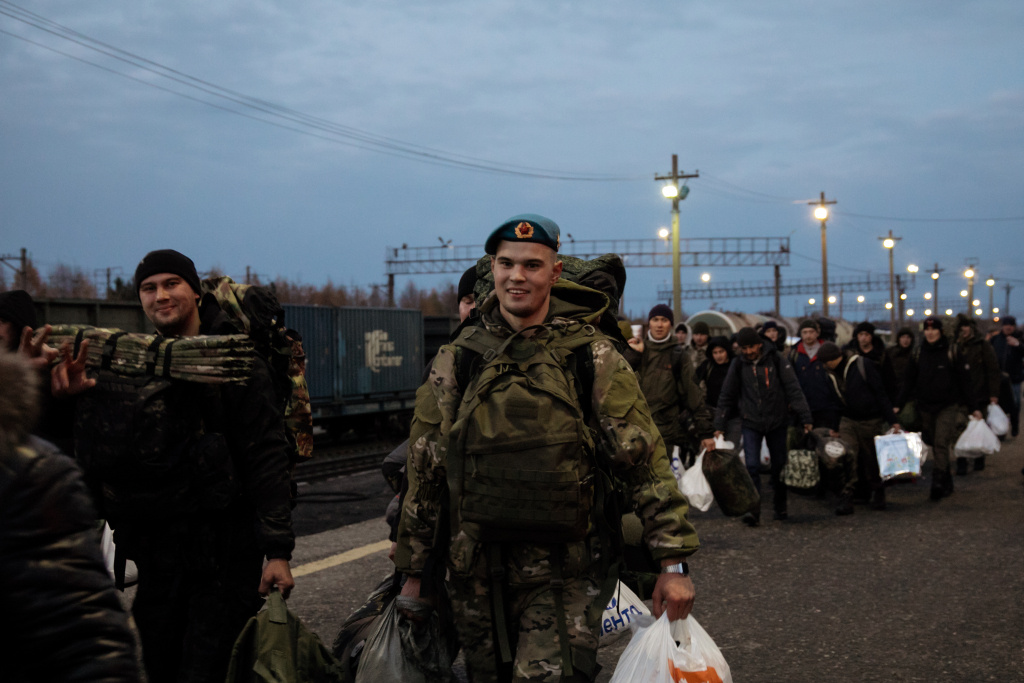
(363, 365)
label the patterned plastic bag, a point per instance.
(801, 471)
(899, 455)
(653, 655)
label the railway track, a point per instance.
(334, 461)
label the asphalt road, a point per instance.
(920, 592)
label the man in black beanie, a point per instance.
(666, 379)
(17, 311)
(201, 564)
(466, 297)
(761, 388)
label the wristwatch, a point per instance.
(677, 568)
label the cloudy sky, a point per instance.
(302, 139)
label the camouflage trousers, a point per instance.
(531, 624)
(860, 466)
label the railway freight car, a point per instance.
(363, 365)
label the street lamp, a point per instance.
(672, 190)
(821, 213)
(928, 296)
(705, 277)
(910, 312)
(663, 233)
(949, 311)
(810, 302)
(991, 284)
(912, 268)
(890, 244)
(927, 311)
(860, 299)
(969, 274)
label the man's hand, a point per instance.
(808, 428)
(277, 573)
(1012, 341)
(68, 377)
(897, 428)
(708, 444)
(833, 433)
(993, 400)
(33, 346)
(674, 592)
(718, 434)
(636, 344)
(977, 415)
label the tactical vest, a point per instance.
(520, 454)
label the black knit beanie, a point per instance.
(663, 310)
(829, 351)
(16, 307)
(748, 337)
(467, 282)
(864, 327)
(167, 261)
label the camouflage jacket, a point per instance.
(620, 417)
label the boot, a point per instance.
(878, 499)
(979, 464)
(961, 466)
(779, 502)
(845, 506)
(947, 489)
(938, 485)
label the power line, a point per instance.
(352, 137)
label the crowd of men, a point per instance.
(538, 415)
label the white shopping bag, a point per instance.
(677, 464)
(652, 656)
(624, 607)
(131, 574)
(899, 454)
(976, 441)
(721, 443)
(997, 420)
(766, 456)
(694, 485)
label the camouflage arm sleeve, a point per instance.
(437, 402)
(693, 395)
(638, 456)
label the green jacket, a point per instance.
(666, 378)
(979, 369)
(620, 417)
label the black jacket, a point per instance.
(933, 379)
(761, 392)
(713, 376)
(882, 361)
(899, 359)
(979, 369)
(860, 386)
(1011, 358)
(64, 619)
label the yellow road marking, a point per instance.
(340, 558)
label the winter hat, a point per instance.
(864, 327)
(809, 324)
(719, 343)
(681, 327)
(167, 261)
(661, 309)
(932, 322)
(466, 283)
(905, 331)
(16, 307)
(965, 321)
(769, 325)
(1008, 320)
(829, 351)
(700, 327)
(748, 337)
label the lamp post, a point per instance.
(890, 243)
(672, 190)
(935, 282)
(969, 274)
(991, 284)
(821, 213)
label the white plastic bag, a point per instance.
(677, 464)
(977, 440)
(997, 420)
(899, 454)
(722, 444)
(131, 573)
(766, 456)
(694, 485)
(652, 656)
(624, 607)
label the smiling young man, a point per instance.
(200, 551)
(527, 581)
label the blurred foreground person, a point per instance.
(63, 620)
(979, 368)
(17, 311)
(1010, 354)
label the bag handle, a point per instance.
(277, 607)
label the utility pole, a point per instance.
(901, 294)
(936, 271)
(778, 286)
(970, 274)
(821, 213)
(21, 272)
(890, 244)
(673, 191)
(248, 275)
(1007, 287)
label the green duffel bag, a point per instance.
(908, 417)
(731, 483)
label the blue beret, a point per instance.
(526, 227)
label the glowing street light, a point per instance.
(910, 312)
(949, 311)
(995, 310)
(831, 299)
(976, 302)
(991, 283)
(672, 190)
(663, 233)
(978, 311)
(963, 292)
(927, 311)
(903, 296)
(928, 296)
(810, 302)
(705, 277)
(912, 268)
(890, 243)
(860, 299)
(888, 305)
(969, 273)
(821, 213)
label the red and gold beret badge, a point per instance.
(524, 231)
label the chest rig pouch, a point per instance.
(520, 454)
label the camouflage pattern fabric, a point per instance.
(620, 418)
(532, 625)
(731, 483)
(256, 312)
(941, 430)
(859, 438)
(801, 470)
